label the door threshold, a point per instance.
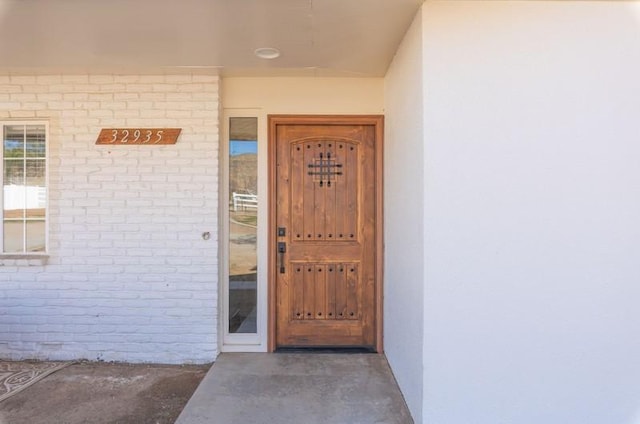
(325, 349)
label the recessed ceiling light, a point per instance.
(267, 53)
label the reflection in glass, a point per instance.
(35, 143)
(15, 199)
(13, 141)
(13, 236)
(13, 172)
(243, 224)
(24, 188)
(35, 172)
(35, 236)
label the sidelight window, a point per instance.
(243, 225)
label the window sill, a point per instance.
(23, 260)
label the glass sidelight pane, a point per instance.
(243, 224)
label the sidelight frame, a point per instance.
(243, 342)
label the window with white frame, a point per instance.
(24, 183)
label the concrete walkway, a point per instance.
(309, 388)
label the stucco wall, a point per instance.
(290, 95)
(532, 206)
(404, 217)
(129, 276)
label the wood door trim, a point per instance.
(378, 122)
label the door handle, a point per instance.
(282, 249)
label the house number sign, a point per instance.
(130, 136)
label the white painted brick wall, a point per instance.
(129, 276)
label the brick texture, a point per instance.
(129, 276)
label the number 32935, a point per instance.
(138, 136)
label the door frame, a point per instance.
(378, 122)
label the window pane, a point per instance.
(243, 214)
(36, 191)
(14, 189)
(35, 236)
(13, 172)
(14, 141)
(36, 201)
(13, 236)
(35, 141)
(35, 170)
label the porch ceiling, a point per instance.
(316, 37)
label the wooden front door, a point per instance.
(326, 231)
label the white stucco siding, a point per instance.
(304, 95)
(404, 217)
(533, 186)
(129, 277)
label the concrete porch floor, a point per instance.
(310, 388)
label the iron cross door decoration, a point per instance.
(324, 169)
(134, 136)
